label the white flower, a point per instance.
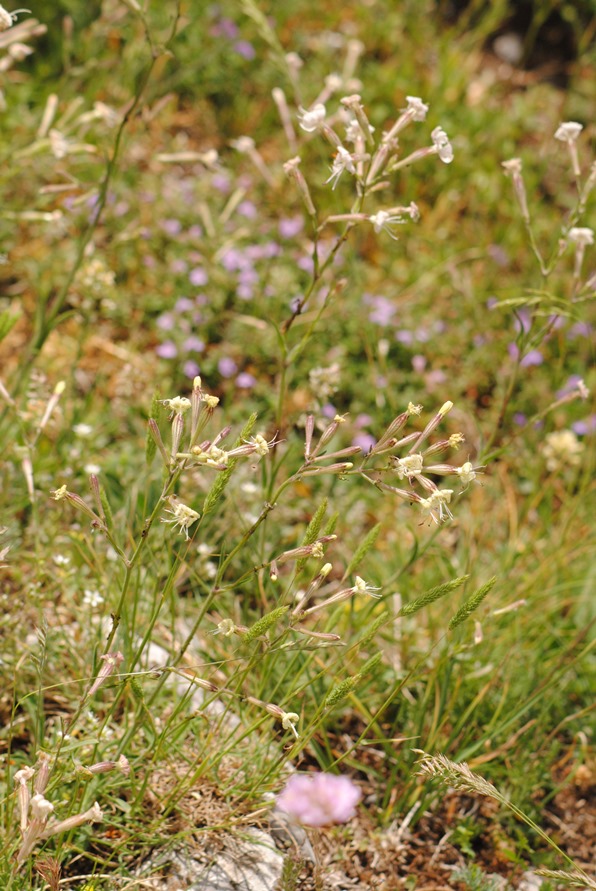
(354, 130)
(442, 145)
(92, 598)
(312, 119)
(179, 404)
(362, 587)
(7, 19)
(466, 473)
(342, 161)
(408, 466)
(261, 445)
(514, 165)
(562, 449)
(383, 219)
(41, 808)
(569, 131)
(417, 108)
(82, 430)
(244, 144)
(288, 720)
(436, 504)
(581, 235)
(182, 516)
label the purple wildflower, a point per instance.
(247, 209)
(289, 227)
(585, 427)
(178, 266)
(198, 276)
(167, 350)
(365, 440)
(245, 381)
(191, 369)
(183, 304)
(245, 49)
(194, 344)
(534, 357)
(165, 321)
(227, 367)
(171, 227)
(319, 799)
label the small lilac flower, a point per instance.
(492, 302)
(198, 277)
(522, 321)
(191, 369)
(247, 209)
(224, 28)
(232, 260)
(498, 254)
(194, 345)
(245, 49)
(534, 357)
(289, 227)
(365, 440)
(383, 311)
(519, 419)
(585, 427)
(227, 367)
(245, 291)
(245, 381)
(171, 227)
(579, 329)
(183, 304)
(149, 262)
(195, 232)
(178, 266)
(167, 350)
(362, 420)
(405, 337)
(418, 363)
(221, 183)
(165, 321)
(329, 410)
(319, 799)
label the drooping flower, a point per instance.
(569, 131)
(342, 161)
(181, 515)
(383, 220)
(319, 799)
(311, 119)
(442, 145)
(418, 110)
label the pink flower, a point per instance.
(319, 799)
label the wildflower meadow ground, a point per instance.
(297, 425)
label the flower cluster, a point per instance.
(319, 799)
(35, 810)
(367, 161)
(414, 467)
